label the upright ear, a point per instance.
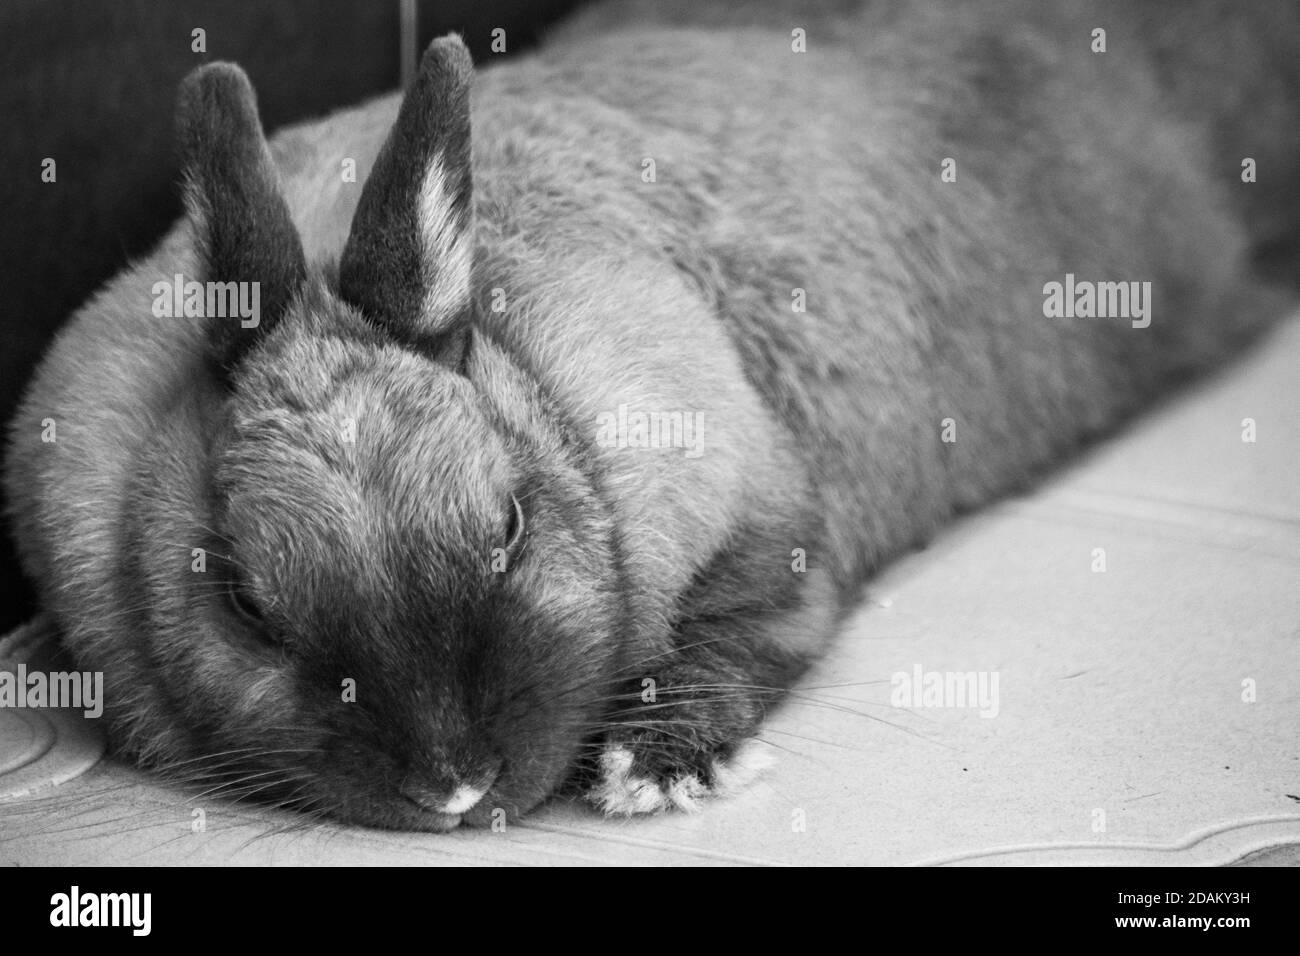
(407, 262)
(242, 223)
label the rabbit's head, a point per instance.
(408, 604)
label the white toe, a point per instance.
(618, 791)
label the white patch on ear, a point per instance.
(447, 254)
(619, 792)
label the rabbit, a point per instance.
(547, 457)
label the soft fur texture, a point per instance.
(378, 560)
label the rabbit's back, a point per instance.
(879, 309)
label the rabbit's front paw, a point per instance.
(640, 780)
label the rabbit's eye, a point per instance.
(514, 527)
(241, 602)
(257, 631)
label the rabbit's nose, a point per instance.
(454, 800)
(438, 801)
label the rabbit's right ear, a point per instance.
(242, 224)
(408, 258)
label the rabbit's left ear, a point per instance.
(408, 258)
(243, 228)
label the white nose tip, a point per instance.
(461, 801)
(464, 798)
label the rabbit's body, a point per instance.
(824, 435)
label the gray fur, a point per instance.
(775, 171)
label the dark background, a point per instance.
(91, 84)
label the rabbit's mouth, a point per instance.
(427, 821)
(413, 808)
